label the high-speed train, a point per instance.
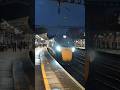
(65, 48)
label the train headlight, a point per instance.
(58, 48)
(73, 49)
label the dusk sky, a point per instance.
(46, 14)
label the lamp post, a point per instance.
(64, 36)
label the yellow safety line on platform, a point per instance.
(47, 86)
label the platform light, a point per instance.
(56, 89)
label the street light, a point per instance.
(64, 36)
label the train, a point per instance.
(64, 49)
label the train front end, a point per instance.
(66, 50)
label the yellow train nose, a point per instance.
(66, 54)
